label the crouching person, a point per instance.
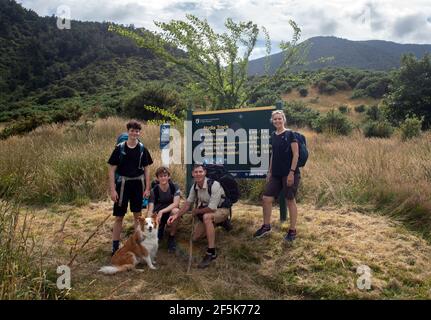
(208, 211)
(164, 201)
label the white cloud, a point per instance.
(394, 20)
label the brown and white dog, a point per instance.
(141, 246)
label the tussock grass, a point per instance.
(22, 275)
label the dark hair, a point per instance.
(133, 124)
(197, 165)
(162, 170)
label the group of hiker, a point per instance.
(129, 181)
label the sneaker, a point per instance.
(227, 225)
(290, 236)
(264, 229)
(172, 245)
(206, 260)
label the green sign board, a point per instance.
(236, 138)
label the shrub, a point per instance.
(298, 114)
(303, 92)
(358, 93)
(340, 84)
(411, 127)
(24, 126)
(343, 109)
(378, 129)
(267, 100)
(326, 88)
(70, 113)
(64, 92)
(374, 113)
(333, 122)
(156, 95)
(360, 109)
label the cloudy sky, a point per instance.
(399, 20)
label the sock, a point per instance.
(211, 251)
(115, 245)
(267, 226)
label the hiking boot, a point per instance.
(227, 225)
(290, 236)
(264, 229)
(206, 260)
(172, 245)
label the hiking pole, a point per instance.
(191, 246)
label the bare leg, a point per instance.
(118, 226)
(293, 213)
(199, 231)
(209, 229)
(267, 208)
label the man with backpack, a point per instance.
(129, 178)
(212, 207)
(164, 201)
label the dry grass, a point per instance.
(387, 174)
(322, 263)
(66, 164)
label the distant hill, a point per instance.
(41, 64)
(372, 55)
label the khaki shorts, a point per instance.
(220, 215)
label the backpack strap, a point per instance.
(210, 183)
(141, 150)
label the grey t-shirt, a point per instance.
(165, 198)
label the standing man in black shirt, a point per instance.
(283, 174)
(129, 179)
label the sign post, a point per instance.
(164, 143)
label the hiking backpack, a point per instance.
(302, 146)
(217, 172)
(121, 142)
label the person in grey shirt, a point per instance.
(208, 210)
(164, 201)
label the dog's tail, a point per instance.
(115, 269)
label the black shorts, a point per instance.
(133, 193)
(276, 184)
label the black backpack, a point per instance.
(302, 147)
(217, 172)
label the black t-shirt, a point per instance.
(282, 153)
(129, 166)
(165, 199)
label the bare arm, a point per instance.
(147, 181)
(113, 192)
(295, 152)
